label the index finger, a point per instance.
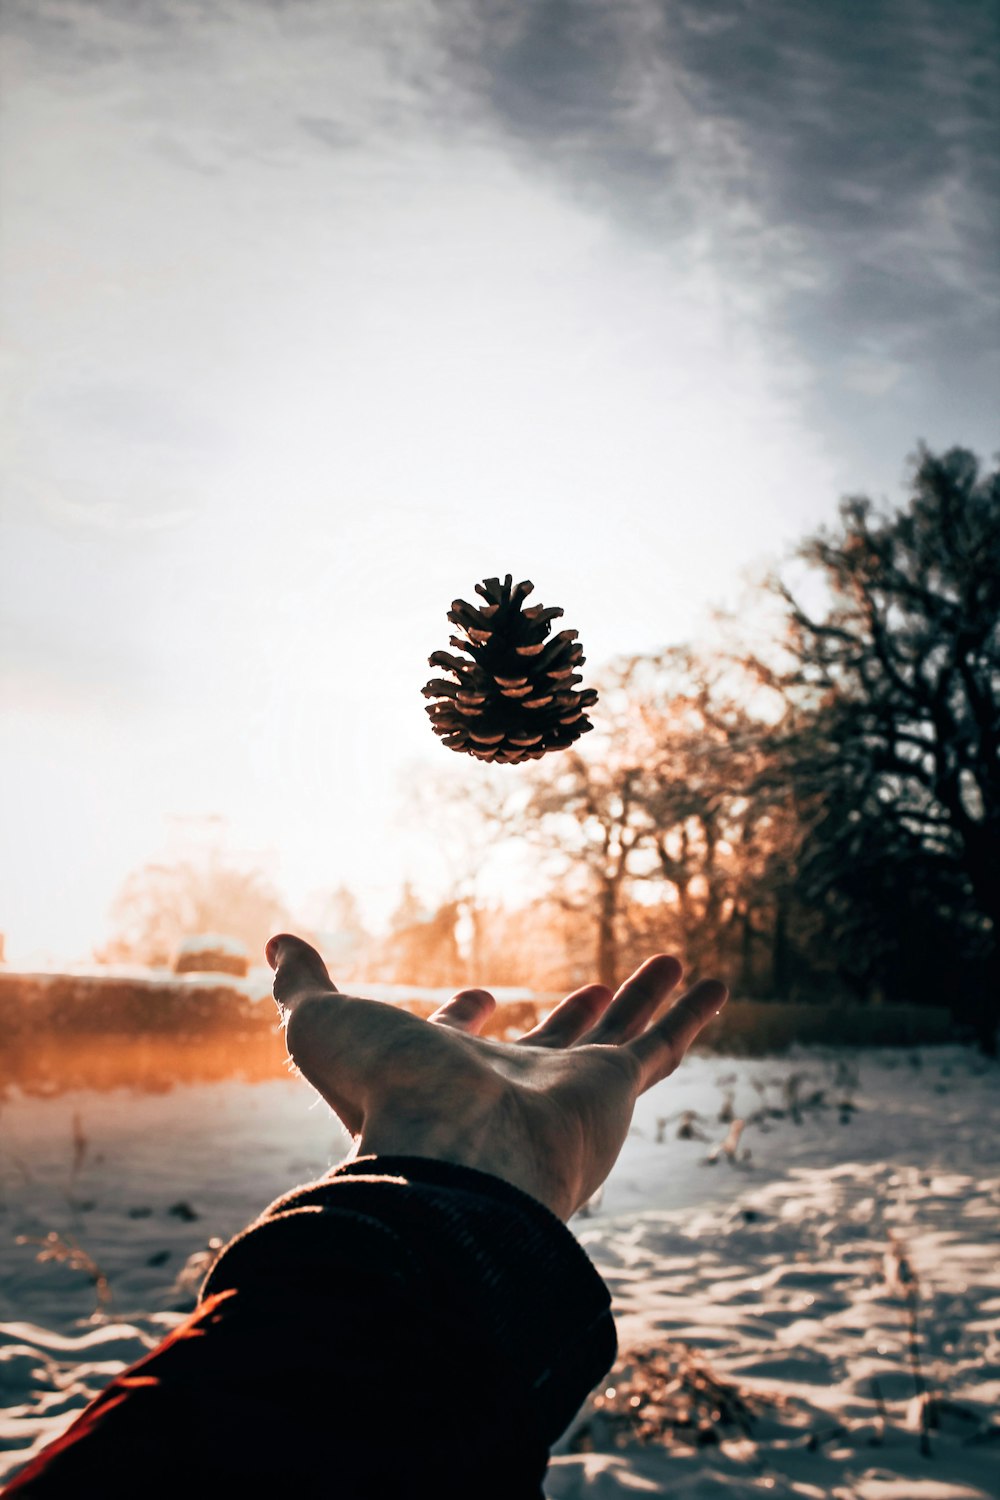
(660, 1049)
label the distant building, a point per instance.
(211, 953)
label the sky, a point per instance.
(315, 313)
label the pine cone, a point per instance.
(514, 694)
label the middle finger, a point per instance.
(638, 1000)
(570, 1019)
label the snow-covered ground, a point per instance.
(807, 1306)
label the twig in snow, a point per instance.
(729, 1147)
(901, 1278)
(669, 1394)
(66, 1252)
(80, 1147)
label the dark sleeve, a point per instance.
(403, 1326)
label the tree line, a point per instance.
(816, 817)
(819, 817)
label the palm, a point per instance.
(548, 1113)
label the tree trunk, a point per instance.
(984, 873)
(746, 954)
(986, 1016)
(779, 952)
(607, 935)
(476, 920)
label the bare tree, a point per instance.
(657, 797)
(341, 934)
(586, 819)
(161, 904)
(469, 813)
(892, 738)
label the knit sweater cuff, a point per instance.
(489, 1258)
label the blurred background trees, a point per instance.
(817, 820)
(161, 905)
(891, 739)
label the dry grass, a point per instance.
(668, 1394)
(54, 1247)
(902, 1281)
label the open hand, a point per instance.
(549, 1112)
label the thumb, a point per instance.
(298, 969)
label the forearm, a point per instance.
(399, 1319)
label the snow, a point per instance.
(780, 1279)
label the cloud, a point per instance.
(838, 162)
(133, 411)
(824, 174)
(329, 132)
(112, 515)
(54, 657)
(872, 377)
(842, 120)
(844, 156)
